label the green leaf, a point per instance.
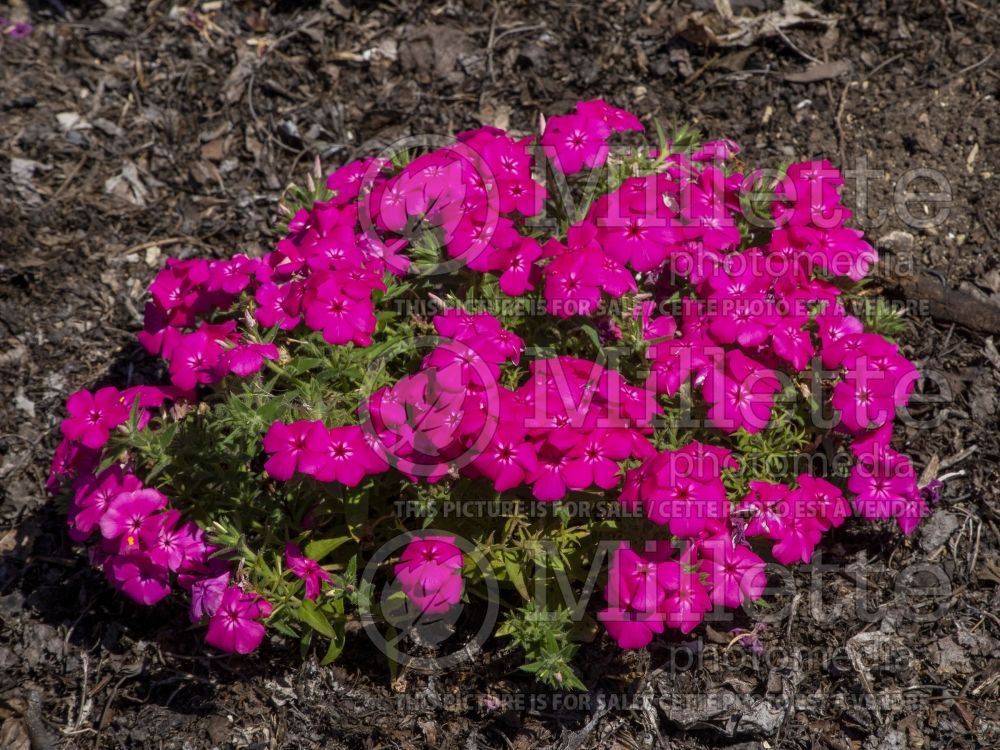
(571, 681)
(315, 619)
(302, 364)
(591, 333)
(391, 652)
(516, 577)
(336, 644)
(356, 510)
(351, 573)
(320, 548)
(283, 628)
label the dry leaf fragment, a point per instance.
(128, 185)
(723, 28)
(823, 71)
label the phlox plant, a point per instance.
(590, 314)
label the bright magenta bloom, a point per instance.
(246, 359)
(129, 514)
(687, 606)
(667, 267)
(341, 454)
(164, 541)
(734, 572)
(92, 497)
(741, 393)
(92, 416)
(289, 445)
(617, 119)
(429, 572)
(235, 626)
(308, 570)
(509, 460)
(885, 486)
(141, 579)
(648, 590)
(342, 309)
(683, 489)
(573, 142)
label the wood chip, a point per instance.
(990, 350)
(823, 71)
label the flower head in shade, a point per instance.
(93, 496)
(139, 577)
(733, 571)
(207, 589)
(306, 569)
(429, 572)
(235, 626)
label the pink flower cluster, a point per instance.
(650, 590)
(198, 352)
(884, 482)
(326, 271)
(683, 490)
(142, 544)
(341, 454)
(92, 418)
(570, 426)
(429, 572)
(572, 142)
(749, 311)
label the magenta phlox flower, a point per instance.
(71, 459)
(166, 540)
(289, 446)
(308, 570)
(885, 486)
(131, 514)
(194, 357)
(573, 279)
(683, 489)
(341, 308)
(572, 142)
(235, 625)
(92, 497)
(734, 573)
(139, 578)
(92, 416)
(340, 454)
(207, 589)
(741, 393)
(509, 459)
(617, 119)
(244, 360)
(429, 572)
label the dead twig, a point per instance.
(970, 68)
(791, 44)
(69, 178)
(949, 305)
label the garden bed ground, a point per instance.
(131, 131)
